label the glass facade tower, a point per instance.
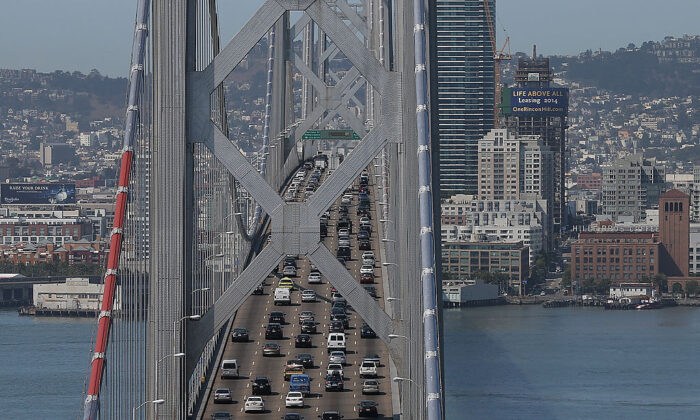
(465, 85)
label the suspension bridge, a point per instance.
(208, 223)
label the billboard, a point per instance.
(543, 102)
(55, 193)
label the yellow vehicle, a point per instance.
(285, 283)
(290, 370)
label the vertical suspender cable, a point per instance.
(92, 401)
(266, 128)
(428, 277)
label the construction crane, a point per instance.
(498, 56)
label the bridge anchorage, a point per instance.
(209, 214)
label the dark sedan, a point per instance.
(334, 382)
(239, 335)
(273, 332)
(302, 340)
(307, 360)
(367, 409)
(367, 332)
(367, 278)
(371, 290)
(308, 327)
(365, 245)
(336, 326)
(261, 386)
(276, 317)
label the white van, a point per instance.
(229, 369)
(282, 296)
(336, 341)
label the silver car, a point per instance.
(222, 395)
(308, 296)
(337, 357)
(370, 386)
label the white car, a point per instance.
(294, 399)
(365, 220)
(308, 295)
(254, 404)
(289, 270)
(314, 277)
(368, 260)
(347, 199)
(306, 316)
(337, 357)
(334, 368)
(337, 297)
(367, 254)
(367, 269)
(368, 370)
(343, 233)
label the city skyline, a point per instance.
(75, 42)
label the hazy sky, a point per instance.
(85, 34)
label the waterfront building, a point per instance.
(461, 260)
(630, 186)
(465, 89)
(76, 293)
(616, 256)
(35, 226)
(631, 290)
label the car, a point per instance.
(364, 245)
(370, 386)
(306, 316)
(368, 254)
(368, 370)
(314, 277)
(344, 232)
(337, 356)
(276, 317)
(362, 234)
(367, 332)
(371, 290)
(282, 296)
(367, 228)
(261, 385)
(221, 415)
(337, 297)
(372, 357)
(239, 335)
(344, 252)
(336, 310)
(285, 283)
(367, 409)
(368, 259)
(342, 318)
(291, 370)
(254, 404)
(307, 360)
(346, 200)
(336, 326)
(308, 295)
(334, 368)
(334, 383)
(366, 278)
(367, 269)
(294, 362)
(292, 416)
(271, 349)
(222, 395)
(300, 383)
(289, 270)
(341, 260)
(344, 242)
(290, 260)
(259, 290)
(330, 415)
(294, 399)
(308, 327)
(229, 369)
(364, 220)
(303, 340)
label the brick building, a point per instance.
(617, 256)
(674, 233)
(71, 252)
(592, 181)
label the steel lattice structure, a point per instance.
(189, 211)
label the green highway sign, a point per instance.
(330, 135)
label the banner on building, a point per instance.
(53, 193)
(541, 102)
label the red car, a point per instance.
(367, 278)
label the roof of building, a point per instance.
(674, 193)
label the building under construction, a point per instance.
(534, 74)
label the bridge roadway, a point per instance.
(253, 315)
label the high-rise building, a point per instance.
(55, 153)
(695, 196)
(674, 233)
(465, 87)
(514, 167)
(534, 74)
(630, 186)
